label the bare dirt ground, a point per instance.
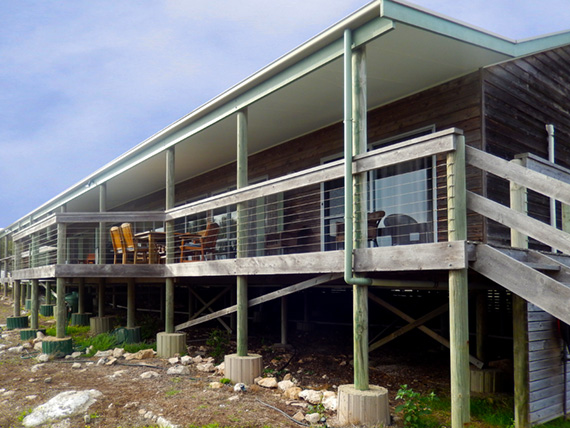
(189, 399)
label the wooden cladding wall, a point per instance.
(548, 382)
(453, 104)
(520, 97)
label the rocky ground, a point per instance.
(131, 397)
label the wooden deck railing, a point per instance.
(296, 213)
(552, 185)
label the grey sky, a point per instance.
(82, 82)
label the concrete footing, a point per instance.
(100, 325)
(488, 380)
(16, 322)
(128, 335)
(30, 333)
(243, 369)
(60, 347)
(169, 344)
(47, 310)
(368, 407)
(80, 319)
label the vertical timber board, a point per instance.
(548, 380)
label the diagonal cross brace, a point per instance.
(322, 279)
(413, 323)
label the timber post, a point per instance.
(169, 342)
(458, 288)
(359, 403)
(518, 201)
(241, 366)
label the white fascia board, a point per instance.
(402, 11)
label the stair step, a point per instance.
(544, 267)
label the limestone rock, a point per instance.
(61, 406)
(267, 382)
(76, 355)
(220, 369)
(16, 349)
(149, 375)
(330, 400)
(299, 416)
(239, 387)
(144, 354)
(197, 359)
(311, 396)
(36, 367)
(165, 423)
(205, 367)
(118, 352)
(173, 360)
(186, 360)
(43, 358)
(284, 385)
(292, 393)
(103, 354)
(216, 385)
(178, 370)
(313, 418)
(111, 361)
(76, 366)
(38, 346)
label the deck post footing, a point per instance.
(17, 322)
(368, 407)
(243, 369)
(100, 325)
(169, 344)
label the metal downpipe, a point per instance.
(349, 278)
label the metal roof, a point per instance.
(408, 50)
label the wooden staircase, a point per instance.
(542, 279)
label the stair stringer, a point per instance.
(545, 292)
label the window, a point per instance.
(405, 192)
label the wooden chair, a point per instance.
(133, 245)
(199, 244)
(118, 245)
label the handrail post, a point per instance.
(519, 203)
(458, 288)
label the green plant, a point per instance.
(225, 381)
(415, 406)
(219, 341)
(133, 348)
(24, 414)
(317, 408)
(172, 392)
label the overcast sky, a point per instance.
(81, 82)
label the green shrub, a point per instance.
(219, 341)
(415, 406)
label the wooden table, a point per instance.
(155, 239)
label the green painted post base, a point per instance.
(46, 310)
(243, 369)
(28, 304)
(16, 322)
(169, 344)
(30, 333)
(80, 319)
(369, 408)
(59, 347)
(100, 325)
(128, 335)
